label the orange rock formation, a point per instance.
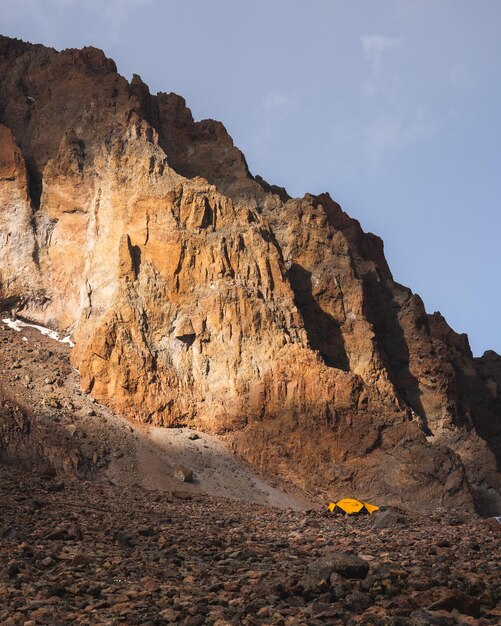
(198, 294)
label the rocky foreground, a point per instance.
(76, 552)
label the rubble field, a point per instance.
(82, 552)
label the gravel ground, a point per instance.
(77, 552)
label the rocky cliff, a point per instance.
(200, 295)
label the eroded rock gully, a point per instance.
(198, 295)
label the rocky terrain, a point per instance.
(77, 552)
(200, 296)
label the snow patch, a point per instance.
(17, 325)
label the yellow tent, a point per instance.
(350, 506)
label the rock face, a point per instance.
(199, 295)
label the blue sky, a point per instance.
(392, 106)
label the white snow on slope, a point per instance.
(18, 325)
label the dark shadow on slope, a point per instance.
(35, 185)
(484, 412)
(390, 337)
(202, 148)
(135, 253)
(484, 396)
(323, 330)
(36, 444)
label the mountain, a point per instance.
(200, 295)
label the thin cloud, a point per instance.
(275, 101)
(387, 125)
(379, 79)
(374, 47)
(460, 78)
(375, 143)
(43, 21)
(386, 137)
(274, 106)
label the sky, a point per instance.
(392, 106)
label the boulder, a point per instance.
(387, 519)
(183, 474)
(345, 564)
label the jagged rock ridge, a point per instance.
(200, 295)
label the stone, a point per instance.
(181, 495)
(457, 600)
(342, 563)
(58, 485)
(387, 519)
(184, 329)
(183, 474)
(13, 569)
(432, 618)
(56, 590)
